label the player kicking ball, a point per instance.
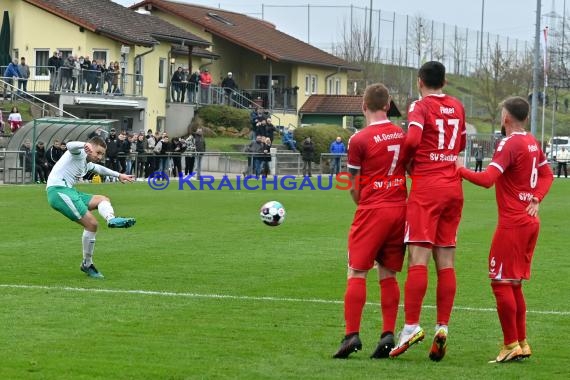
(79, 159)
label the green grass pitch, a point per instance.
(201, 289)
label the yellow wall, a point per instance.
(65, 35)
(245, 65)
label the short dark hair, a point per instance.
(432, 73)
(96, 140)
(517, 106)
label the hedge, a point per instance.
(322, 136)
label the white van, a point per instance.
(555, 144)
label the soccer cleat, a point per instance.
(350, 343)
(118, 222)
(407, 340)
(439, 345)
(384, 347)
(525, 348)
(509, 353)
(91, 271)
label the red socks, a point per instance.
(446, 286)
(507, 310)
(354, 300)
(521, 311)
(415, 290)
(389, 300)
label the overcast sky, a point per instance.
(509, 18)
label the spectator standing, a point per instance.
(229, 86)
(26, 156)
(517, 159)
(479, 159)
(113, 145)
(307, 152)
(255, 149)
(176, 85)
(66, 73)
(338, 149)
(562, 160)
(11, 75)
(42, 165)
(193, 85)
(200, 143)
(75, 74)
(15, 119)
(85, 74)
(205, 83)
(54, 64)
(152, 163)
(436, 129)
(54, 153)
(141, 151)
(189, 154)
(178, 147)
(265, 170)
(24, 70)
(270, 129)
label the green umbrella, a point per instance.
(5, 41)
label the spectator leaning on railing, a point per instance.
(338, 149)
(10, 75)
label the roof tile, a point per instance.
(251, 33)
(117, 22)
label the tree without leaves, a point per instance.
(501, 75)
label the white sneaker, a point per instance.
(407, 340)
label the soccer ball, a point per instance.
(272, 213)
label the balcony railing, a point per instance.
(280, 99)
(46, 80)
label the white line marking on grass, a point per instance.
(244, 298)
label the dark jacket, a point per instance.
(308, 150)
(229, 84)
(113, 144)
(200, 142)
(256, 148)
(53, 154)
(41, 157)
(26, 156)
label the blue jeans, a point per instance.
(335, 165)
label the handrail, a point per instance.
(15, 92)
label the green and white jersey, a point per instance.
(73, 165)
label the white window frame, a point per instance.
(311, 84)
(162, 71)
(337, 86)
(37, 76)
(314, 84)
(100, 52)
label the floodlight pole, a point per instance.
(534, 99)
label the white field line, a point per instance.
(242, 298)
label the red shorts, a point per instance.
(433, 216)
(511, 252)
(377, 235)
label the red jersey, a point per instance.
(377, 152)
(518, 158)
(441, 119)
